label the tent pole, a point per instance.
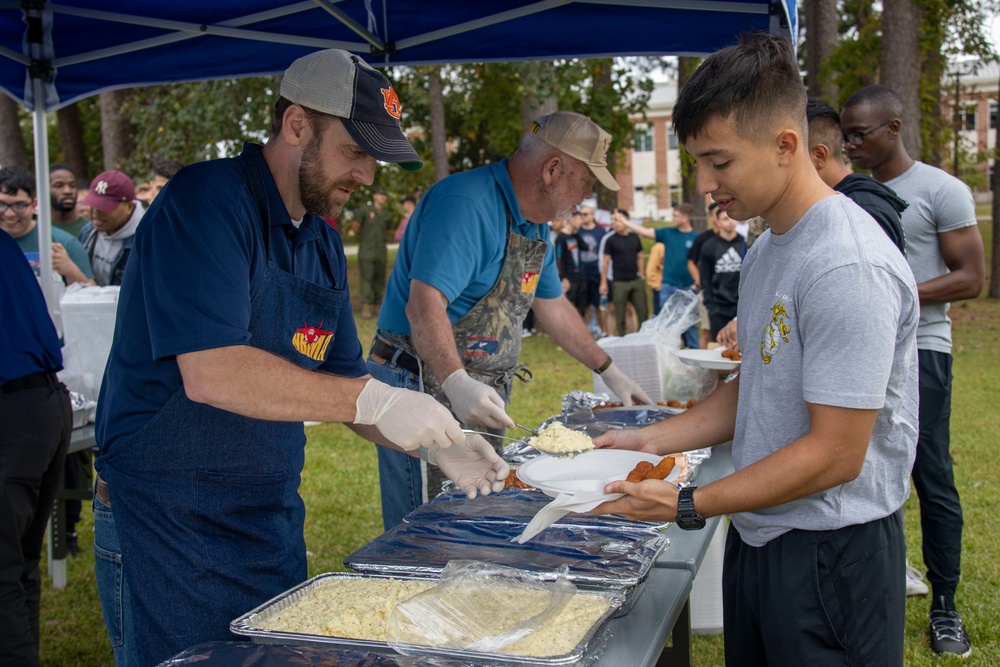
(42, 190)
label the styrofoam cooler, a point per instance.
(88, 315)
(706, 590)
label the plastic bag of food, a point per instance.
(479, 606)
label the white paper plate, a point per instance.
(587, 472)
(712, 359)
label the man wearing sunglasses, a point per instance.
(945, 253)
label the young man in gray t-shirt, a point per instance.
(823, 416)
(945, 252)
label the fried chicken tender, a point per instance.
(644, 470)
(639, 472)
(662, 469)
(732, 354)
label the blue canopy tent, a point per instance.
(55, 54)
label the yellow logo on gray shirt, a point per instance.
(775, 333)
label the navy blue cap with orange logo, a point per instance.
(341, 84)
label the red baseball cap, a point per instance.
(108, 190)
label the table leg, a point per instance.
(679, 653)
(57, 544)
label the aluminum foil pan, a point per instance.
(599, 557)
(513, 504)
(247, 654)
(249, 625)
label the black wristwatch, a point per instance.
(687, 517)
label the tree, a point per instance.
(439, 140)
(899, 65)
(116, 130)
(689, 176)
(13, 152)
(994, 287)
(71, 141)
(821, 22)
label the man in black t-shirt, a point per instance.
(694, 254)
(624, 249)
(569, 244)
(719, 267)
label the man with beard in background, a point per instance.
(62, 188)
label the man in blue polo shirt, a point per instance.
(235, 326)
(475, 257)
(35, 425)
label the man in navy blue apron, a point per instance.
(475, 257)
(234, 326)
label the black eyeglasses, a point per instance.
(18, 206)
(858, 138)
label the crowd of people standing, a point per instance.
(244, 327)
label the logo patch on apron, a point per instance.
(312, 341)
(481, 347)
(529, 281)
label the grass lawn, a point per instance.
(340, 487)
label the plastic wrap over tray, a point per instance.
(247, 654)
(512, 504)
(599, 557)
(252, 625)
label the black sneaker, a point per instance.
(948, 634)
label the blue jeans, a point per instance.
(112, 588)
(399, 475)
(691, 335)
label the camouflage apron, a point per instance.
(488, 337)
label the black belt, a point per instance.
(387, 354)
(39, 380)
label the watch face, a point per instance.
(691, 523)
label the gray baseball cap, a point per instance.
(341, 84)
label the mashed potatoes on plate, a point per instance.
(558, 439)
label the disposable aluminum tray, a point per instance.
(513, 504)
(600, 558)
(249, 625)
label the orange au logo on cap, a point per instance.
(392, 104)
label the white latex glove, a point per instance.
(408, 418)
(627, 389)
(475, 402)
(476, 467)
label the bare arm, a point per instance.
(567, 328)
(695, 274)
(962, 251)
(640, 230)
(709, 423)
(66, 267)
(640, 265)
(427, 311)
(605, 260)
(831, 453)
(258, 384)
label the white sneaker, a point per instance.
(915, 582)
